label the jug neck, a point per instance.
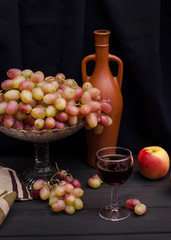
(102, 45)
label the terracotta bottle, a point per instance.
(110, 87)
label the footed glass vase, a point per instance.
(42, 167)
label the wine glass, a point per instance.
(114, 166)
(41, 139)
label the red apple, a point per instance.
(153, 162)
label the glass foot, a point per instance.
(114, 215)
(30, 175)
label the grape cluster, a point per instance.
(63, 192)
(31, 101)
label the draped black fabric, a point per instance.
(55, 35)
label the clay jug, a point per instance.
(110, 87)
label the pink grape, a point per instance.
(69, 199)
(38, 113)
(7, 85)
(106, 105)
(38, 184)
(94, 182)
(69, 187)
(1, 97)
(59, 125)
(13, 72)
(72, 110)
(30, 119)
(62, 117)
(140, 209)
(39, 123)
(78, 205)
(85, 109)
(72, 120)
(76, 183)
(49, 122)
(26, 84)
(49, 98)
(12, 95)
(94, 92)
(58, 206)
(37, 93)
(27, 127)
(17, 80)
(33, 103)
(85, 97)
(3, 106)
(12, 107)
(26, 96)
(52, 200)
(20, 115)
(91, 119)
(44, 192)
(8, 121)
(104, 120)
(61, 175)
(69, 209)
(131, 203)
(70, 102)
(68, 93)
(60, 103)
(49, 88)
(60, 191)
(87, 86)
(60, 75)
(51, 111)
(18, 125)
(95, 106)
(68, 179)
(34, 193)
(78, 93)
(37, 77)
(77, 192)
(98, 129)
(25, 107)
(27, 73)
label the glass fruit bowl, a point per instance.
(41, 139)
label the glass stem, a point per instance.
(42, 162)
(114, 198)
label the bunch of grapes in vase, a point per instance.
(43, 109)
(114, 166)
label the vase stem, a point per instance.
(42, 161)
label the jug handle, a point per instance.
(84, 66)
(120, 68)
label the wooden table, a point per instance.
(35, 220)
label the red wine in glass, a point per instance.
(116, 173)
(114, 166)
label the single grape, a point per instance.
(8, 121)
(34, 193)
(72, 120)
(77, 192)
(69, 209)
(7, 85)
(62, 116)
(17, 80)
(72, 110)
(26, 84)
(91, 119)
(78, 205)
(44, 192)
(68, 93)
(37, 93)
(37, 77)
(13, 72)
(26, 96)
(94, 182)
(49, 98)
(60, 191)
(131, 203)
(38, 184)
(76, 183)
(12, 107)
(60, 103)
(69, 199)
(68, 187)
(38, 113)
(140, 209)
(39, 123)
(87, 86)
(25, 107)
(85, 109)
(27, 73)
(58, 206)
(51, 111)
(86, 98)
(12, 95)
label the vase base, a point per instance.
(30, 175)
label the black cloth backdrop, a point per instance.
(55, 35)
